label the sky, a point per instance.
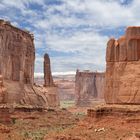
(73, 32)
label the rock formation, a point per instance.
(17, 56)
(48, 79)
(66, 87)
(122, 70)
(88, 86)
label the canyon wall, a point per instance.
(123, 68)
(88, 86)
(17, 56)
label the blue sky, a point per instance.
(73, 32)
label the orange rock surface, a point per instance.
(88, 86)
(123, 68)
(17, 56)
(48, 79)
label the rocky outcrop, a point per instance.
(17, 56)
(48, 79)
(104, 110)
(122, 70)
(88, 86)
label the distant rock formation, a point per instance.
(123, 68)
(48, 79)
(66, 87)
(88, 86)
(17, 56)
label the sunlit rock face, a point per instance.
(123, 68)
(17, 56)
(88, 86)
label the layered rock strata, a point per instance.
(17, 56)
(123, 68)
(114, 110)
(88, 86)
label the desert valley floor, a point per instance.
(67, 124)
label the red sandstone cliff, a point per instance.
(123, 66)
(88, 86)
(17, 56)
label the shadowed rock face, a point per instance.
(17, 55)
(88, 86)
(122, 70)
(47, 72)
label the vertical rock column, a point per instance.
(48, 80)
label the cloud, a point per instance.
(21, 4)
(82, 42)
(73, 32)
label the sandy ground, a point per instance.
(68, 125)
(105, 128)
(35, 125)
